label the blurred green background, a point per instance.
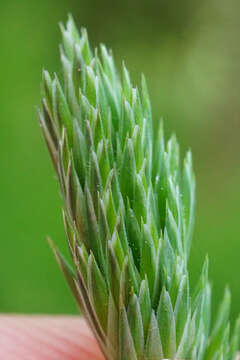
(190, 54)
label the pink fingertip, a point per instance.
(46, 338)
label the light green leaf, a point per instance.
(145, 305)
(148, 258)
(153, 350)
(136, 325)
(97, 290)
(127, 349)
(166, 324)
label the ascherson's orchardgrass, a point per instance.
(128, 214)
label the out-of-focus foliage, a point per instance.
(189, 51)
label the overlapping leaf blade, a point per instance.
(130, 214)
